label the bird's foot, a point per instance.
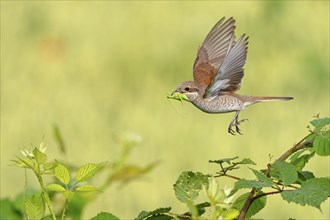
(235, 123)
(230, 128)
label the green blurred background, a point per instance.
(102, 69)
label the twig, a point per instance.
(227, 175)
(180, 215)
(295, 148)
(300, 145)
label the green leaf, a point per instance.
(148, 214)
(304, 175)
(55, 187)
(300, 161)
(247, 161)
(24, 162)
(248, 184)
(86, 188)
(130, 172)
(8, 210)
(320, 123)
(224, 160)
(255, 207)
(312, 192)
(35, 207)
(321, 182)
(78, 202)
(322, 144)
(49, 166)
(188, 185)
(19, 199)
(62, 173)
(230, 214)
(199, 208)
(59, 139)
(39, 156)
(284, 171)
(262, 177)
(87, 171)
(105, 216)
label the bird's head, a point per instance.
(189, 89)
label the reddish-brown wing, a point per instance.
(212, 52)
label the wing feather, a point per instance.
(212, 52)
(231, 72)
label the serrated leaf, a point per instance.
(147, 214)
(320, 123)
(35, 207)
(262, 177)
(247, 161)
(39, 156)
(255, 207)
(55, 187)
(188, 185)
(86, 188)
(322, 144)
(304, 175)
(105, 216)
(223, 160)
(300, 161)
(321, 182)
(284, 171)
(49, 166)
(248, 184)
(87, 171)
(312, 192)
(62, 173)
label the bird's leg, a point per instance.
(235, 122)
(230, 130)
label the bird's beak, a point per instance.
(174, 92)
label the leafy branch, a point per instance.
(285, 177)
(321, 131)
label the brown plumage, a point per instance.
(218, 73)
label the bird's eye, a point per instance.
(187, 88)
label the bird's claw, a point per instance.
(235, 123)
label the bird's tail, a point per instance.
(253, 99)
(270, 98)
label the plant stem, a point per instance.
(300, 145)
(45, 194)
(64, 209)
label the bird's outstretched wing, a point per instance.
(231, 72)
(212, 52)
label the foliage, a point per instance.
(73, 183)
(285, 176)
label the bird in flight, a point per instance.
(218, 73)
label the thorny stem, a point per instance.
(300, 145)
